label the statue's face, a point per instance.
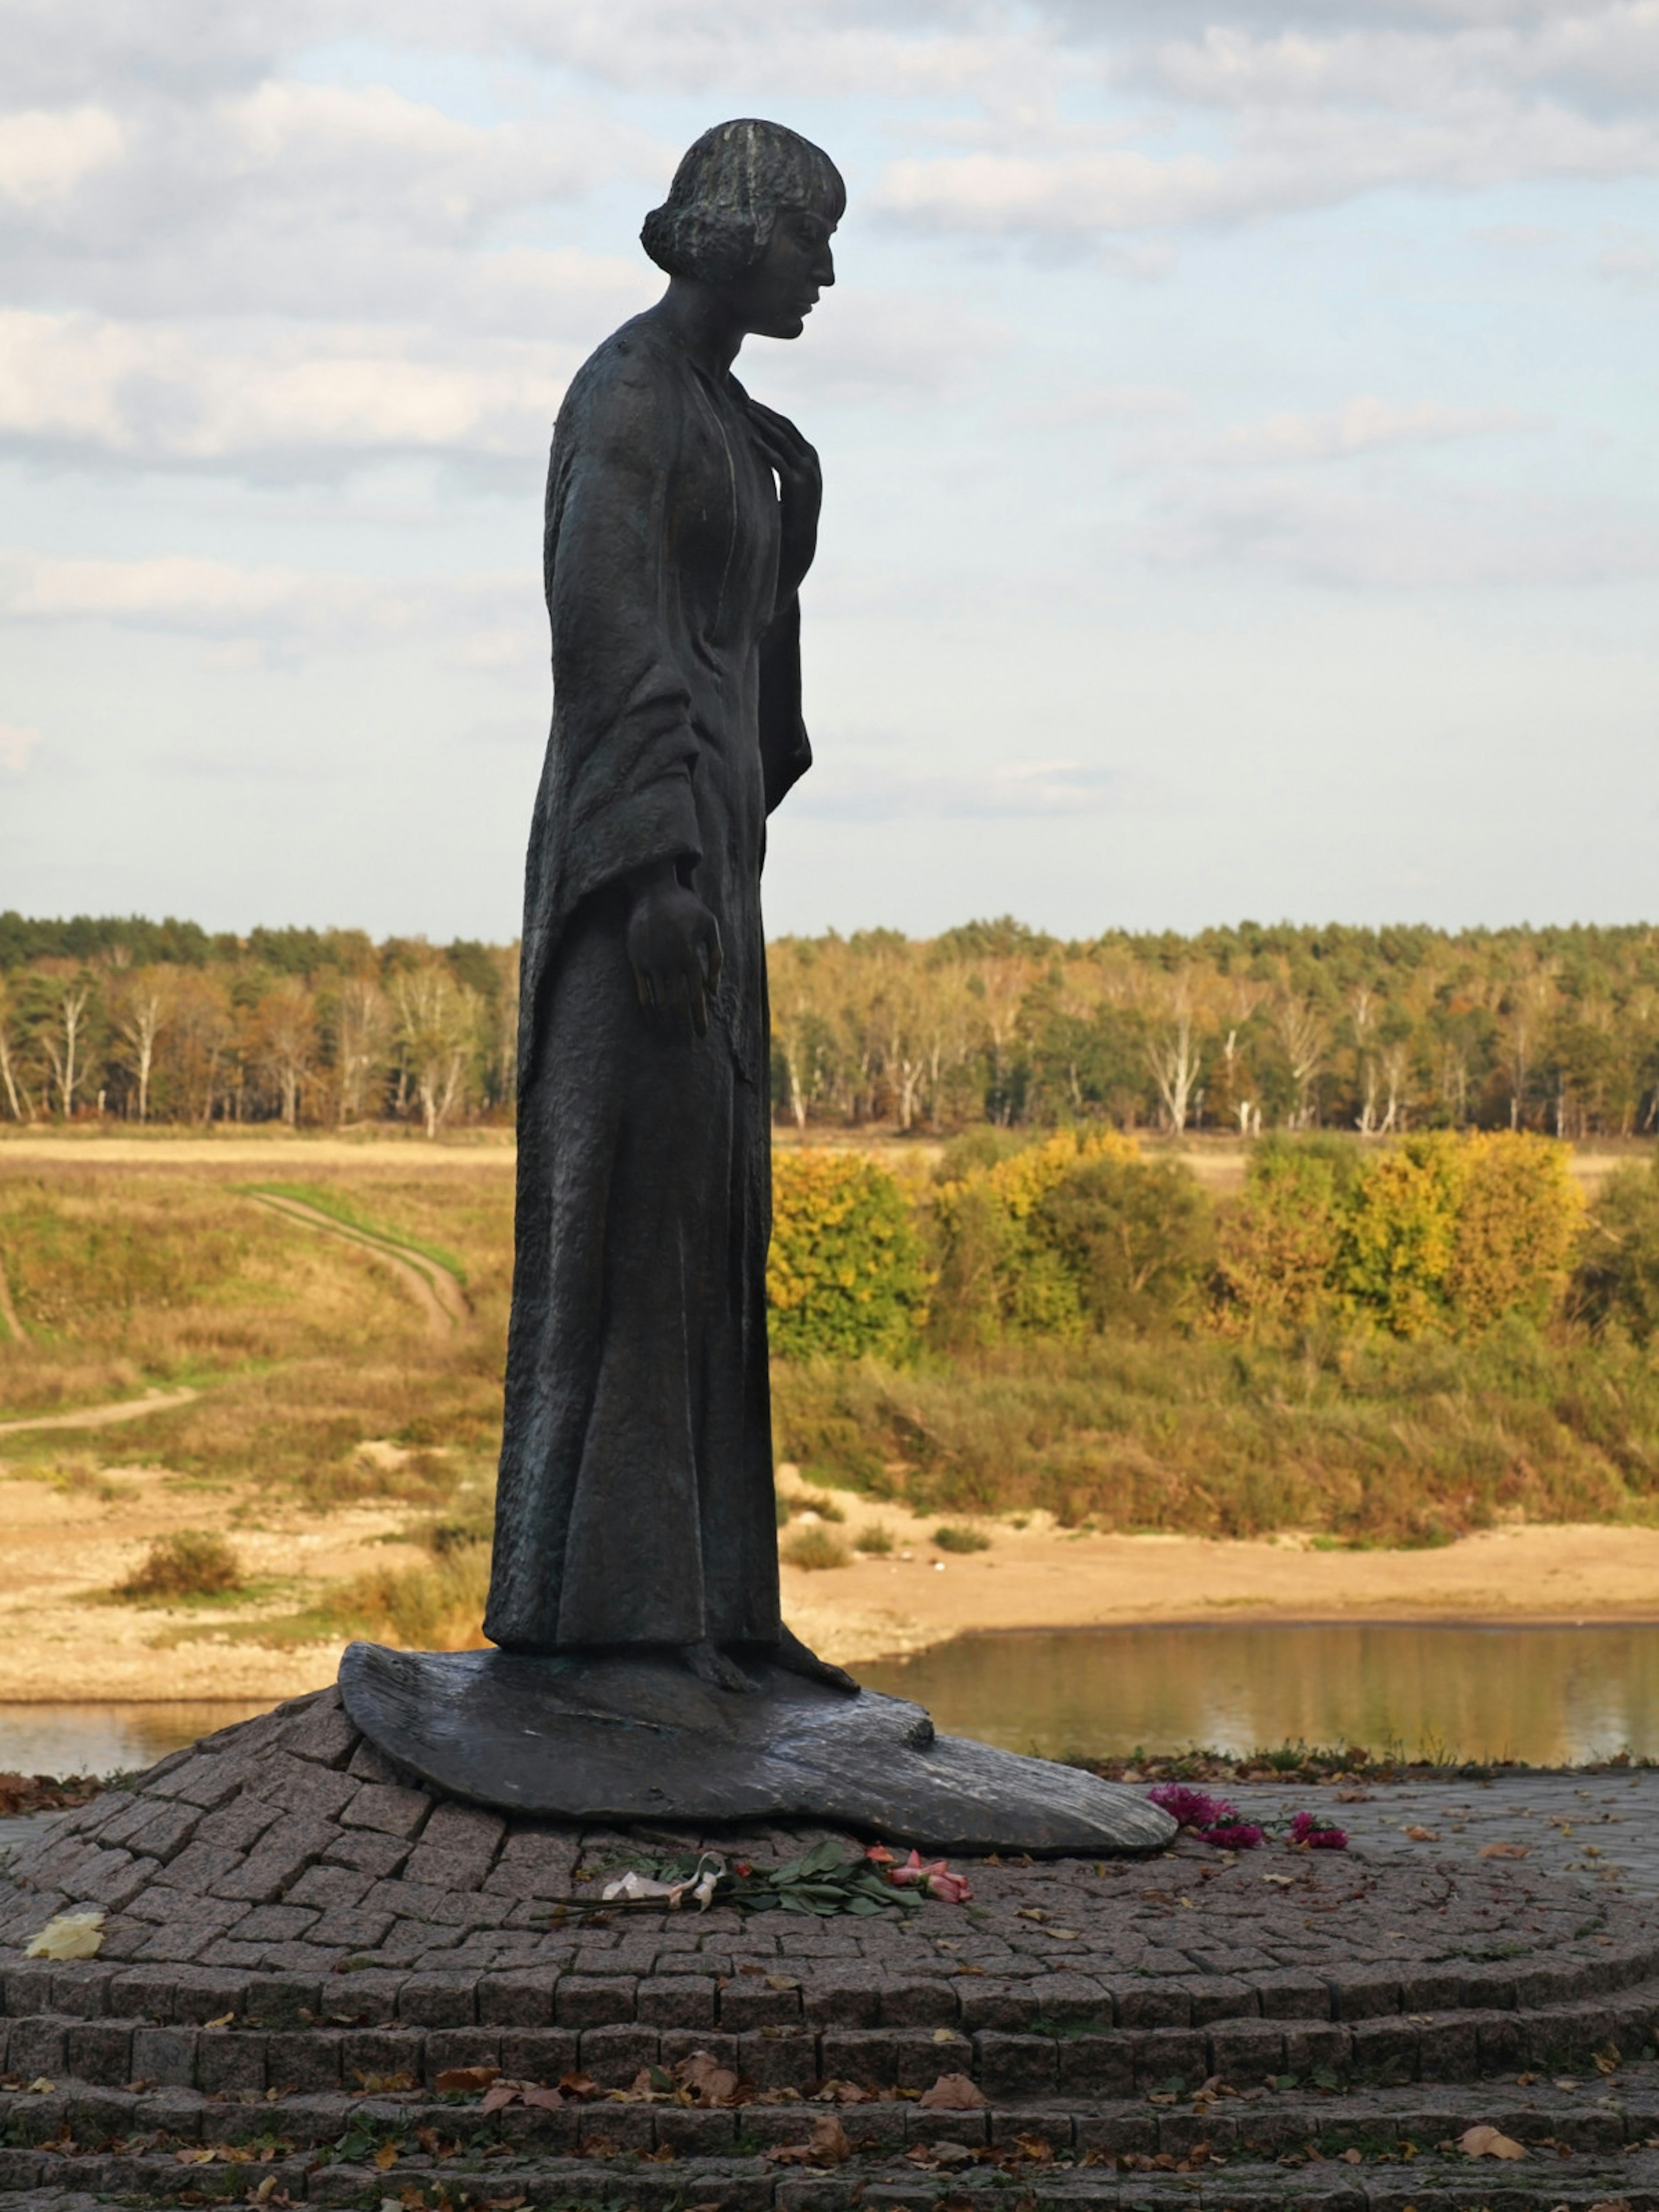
(777, 295)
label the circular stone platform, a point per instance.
(299, 1944)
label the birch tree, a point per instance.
(1299, 1025)
(7, 1061)
(363, 1045)
(285, 1042)
(142, 1009)
(60, 1041)
(1172, 1054)
(437, 1023)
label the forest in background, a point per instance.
(1240, 1029)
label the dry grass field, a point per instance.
(285, 1379)
(295, 1347)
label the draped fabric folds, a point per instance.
(635, 1500)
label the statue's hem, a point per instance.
(626, 1739)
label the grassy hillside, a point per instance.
(323, 1381)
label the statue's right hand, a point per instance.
(674, 949)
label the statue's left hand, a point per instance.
(800, 494)
(674, 949)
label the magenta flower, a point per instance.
(1311, 1832)
(1233, 1835)
(1191, 1808)
(1211, 1818)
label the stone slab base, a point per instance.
(638, 1738)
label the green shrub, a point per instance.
(1618, 1277)
(1001, 1273)
(954, 1536)
(815, 1546)
(1452, 1233)
(1437, 1235)
(1136, 1239)
(192, 1563)
(1278, 1244)
(875, 1540)
(846, 1277)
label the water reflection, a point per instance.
(104, 1739)
(1546, 1695)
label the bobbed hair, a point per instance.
(728, 191)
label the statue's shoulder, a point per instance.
(630, 381)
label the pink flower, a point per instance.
(907, 1872)
(935, 1877)
(1311, 1832)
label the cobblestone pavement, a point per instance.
(1602, 1826)
(286, 1845)
(301, 1947)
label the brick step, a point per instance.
(77, 2130)
(310, 2055)
(1386, 2177)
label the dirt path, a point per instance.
(433, 1288)
(105, 1416)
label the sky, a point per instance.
(1238, 422)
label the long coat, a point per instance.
(635, 1501)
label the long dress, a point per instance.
(635, 1498)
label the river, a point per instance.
(1549, 1696)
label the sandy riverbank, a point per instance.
(1043, 1577)
(63, 1548)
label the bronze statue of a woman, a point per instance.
(643, 1671)
(636, 1503)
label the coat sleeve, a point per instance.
(623, 751)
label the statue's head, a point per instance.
(750, 213)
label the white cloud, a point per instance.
(863, 343)
(1000, 194)
(273, 609)
(850, 784)
(155, 396)
(1596, 55)
(1363, 425)
(1317, 531)
(16, 746)
(44, 155)
(1282, 163)
(1630, 257)
(1321, 104)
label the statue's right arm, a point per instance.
(624, 715)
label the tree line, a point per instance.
(1240, 1030)
(149, 1022)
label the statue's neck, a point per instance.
(703, 321)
